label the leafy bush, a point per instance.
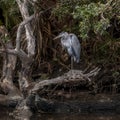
(10, 12)
(91, 16)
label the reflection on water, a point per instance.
(76, 117)
(5, 115)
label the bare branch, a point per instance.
(94, 72)
(29, 31)
(21, 54)
(71, 76)
(19, 31)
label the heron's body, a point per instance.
(72, 44)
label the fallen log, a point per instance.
(71, 76)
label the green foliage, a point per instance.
(10, 12)
(91, 16)
(5, 38)
(101, 26)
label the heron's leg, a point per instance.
(71, 63)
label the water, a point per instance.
(6, 114)
(76, 117)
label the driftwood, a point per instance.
(71, 76)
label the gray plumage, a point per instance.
(72, 44)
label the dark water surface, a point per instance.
(6, 114)
(76, 117)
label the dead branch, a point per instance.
(19, 31)
(71, 76)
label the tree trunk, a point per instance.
(9, 64)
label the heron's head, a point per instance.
(62, 34)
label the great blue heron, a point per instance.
(72, 44)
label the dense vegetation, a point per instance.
(96, 23)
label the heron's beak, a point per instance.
(59, 36)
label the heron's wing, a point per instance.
(71, 51)
(75, 44)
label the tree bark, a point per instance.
(71, 76)
(9, 64)
(27, 60)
